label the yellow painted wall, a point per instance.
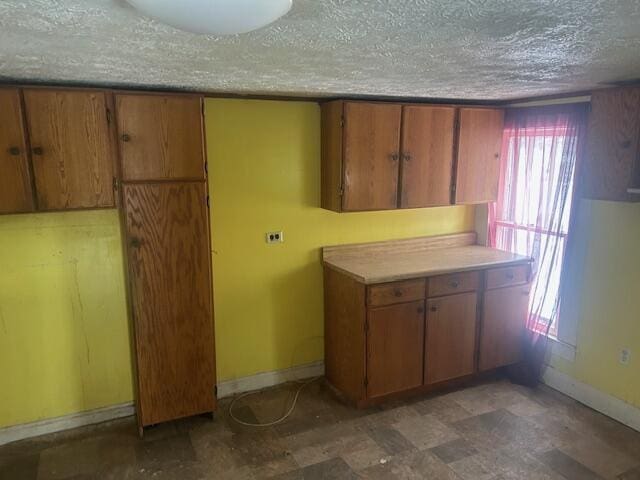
(64, 338)
(607, 296)
(264, 164)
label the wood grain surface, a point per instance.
(451, 337)
(503, 326)
(16, 191)
(396, 292)
(160, 137)
(452, 283)
(478, 159)
(344, 334)
(72, 150)
(371, 156)
(426, 156)
(395, 348)
(612, 160)
(331, 164)
(169, 269)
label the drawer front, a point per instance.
(507, 276)
(453, 283)
(396, 292)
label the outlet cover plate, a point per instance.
(274, 237)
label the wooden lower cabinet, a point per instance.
(395, 348)
(167, 241)
(450, 343)
(391, 338)
(504, 317)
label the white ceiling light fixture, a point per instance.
(214, 17)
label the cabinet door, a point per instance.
(479, 145)
(169, 268)
(450, 338)
(371, 156)
(613, 145)
(503, 321)
(160, 137)
(426, 156)
(16, 194)
(395, 342)
(72, 151)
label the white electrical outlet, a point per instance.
(275, 237)
(625, 356)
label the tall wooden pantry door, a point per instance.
(166, 222)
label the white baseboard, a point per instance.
(269, 379)
(602, 402)
(66, 422)
(225, 389)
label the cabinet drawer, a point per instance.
(396, 292)
(506, 276)
(453, 283)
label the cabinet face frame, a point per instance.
(72, 152)
(17, 193)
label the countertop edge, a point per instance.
(429, 273)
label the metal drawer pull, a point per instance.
(38, 151)
(14, 151)
(509, 275)
(434, 308)
(454, 284)
(397, 292)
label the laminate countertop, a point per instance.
(415, 258)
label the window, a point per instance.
(532, 214)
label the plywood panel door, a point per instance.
(169, 264)
(479, 146)
(371, 156)
(450, 337)
(72, 148)
(16, 193)
(160, 137)
(426, 156)
(502, 327)
(613, 145)
(395, 343)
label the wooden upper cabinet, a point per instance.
(360, 155)
(160, 137)
(612, 160)
(16, 193)
(72, 148)
(371, 156)
(478, 162)
(426, 155)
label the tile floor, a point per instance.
(494, 430)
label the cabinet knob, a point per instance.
(125, 137)
(434, 308)
(420, 310)
(626, 144)
(394, 157)
(454, 284)
(509, 275)
(397, 292)
(406, 157)
(497, 155)
(14, 151)
(37, 150)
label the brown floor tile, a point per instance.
(567, 466)
(20, 466)
(633, 474)
(453, 451)
(493, 430)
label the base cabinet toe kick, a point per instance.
(405, 337)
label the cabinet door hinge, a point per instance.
(342, 120)
(108, 112)
(116, 183)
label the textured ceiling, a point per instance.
(474, 49)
